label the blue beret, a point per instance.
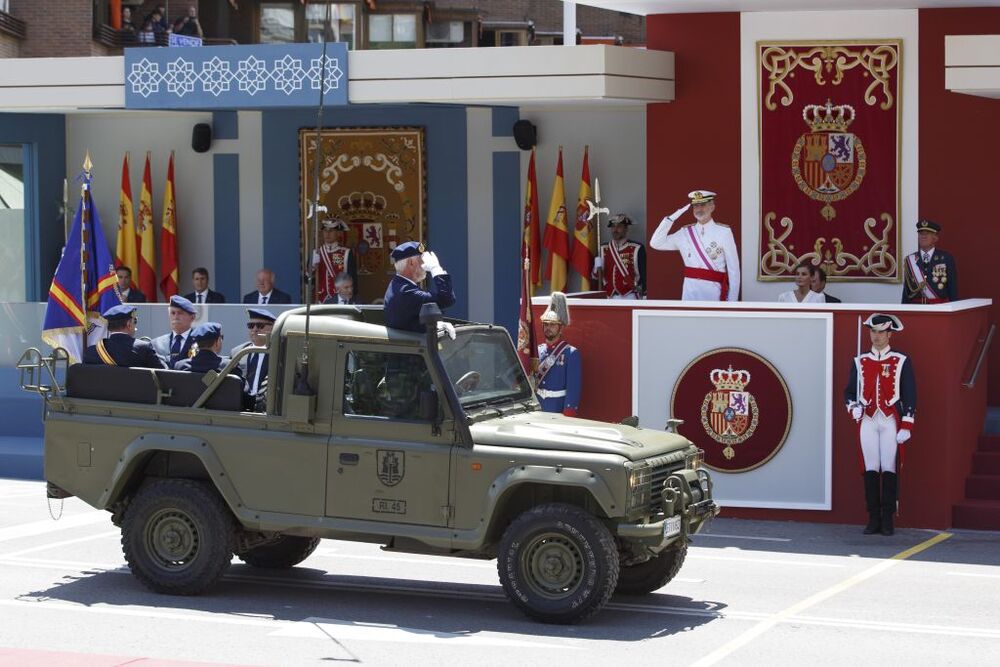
(120, 312)
(207, 332)
(183, 304)
(261, 314)
(406, 250)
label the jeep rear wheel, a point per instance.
(654, 573)
(285, 552)
(558, 564)
(178, 536)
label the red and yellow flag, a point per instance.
(168, 237)
(126, 250)
(530, 271)
(557, 233)
(147, 251)
(584, 236)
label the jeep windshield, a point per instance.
(483, 366)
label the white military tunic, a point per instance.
(811, 297)
(712, 249)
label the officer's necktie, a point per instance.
(175, 346)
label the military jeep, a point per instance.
(430, 444)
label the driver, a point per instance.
(560, 368)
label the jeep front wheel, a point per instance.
(178, 536)
(654, 573)
(558, 564)
(285, 552)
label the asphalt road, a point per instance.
(750, 593)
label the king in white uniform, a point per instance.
(711, 261)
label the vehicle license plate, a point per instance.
(672, 526)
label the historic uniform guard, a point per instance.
(711, 262)
(882, 396)
(929, 274)
(332, 258)
(560, 369)
(208, 336)
(621, 262)
(404, 297)
(121, 348)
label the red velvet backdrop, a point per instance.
(959, 139)
(693, 143)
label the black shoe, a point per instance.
(874, 524)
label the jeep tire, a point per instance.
(558, 564)
(178, 536)
(285, 552)
(654, 573)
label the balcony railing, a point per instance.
(120, 39)
(12, 26)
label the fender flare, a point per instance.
(557, 476)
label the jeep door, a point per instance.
(386, 462)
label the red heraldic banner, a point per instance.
(830, 158)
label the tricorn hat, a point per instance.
(619, 219)
(558, 310)
(883, 322)
(335, 224)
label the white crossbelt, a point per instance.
(551, 393)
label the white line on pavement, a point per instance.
(743, 537)
(769, 561)
(973, 574)
(63, 543)
(49, 526)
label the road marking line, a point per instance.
(729, 647)
(769, 561)
(49, 526)
(63, 543)
(743, 537)
(973, 574)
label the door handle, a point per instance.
(349, 459)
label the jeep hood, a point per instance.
(546, 430)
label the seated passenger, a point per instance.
(208, 336)
(121, 348)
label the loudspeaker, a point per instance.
(201, 138)
(525, 135)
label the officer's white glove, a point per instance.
(315, 257)
(598, 266)
(902, 435)
(856, 412)
(679, 212)
(446, 329)
(431, 264)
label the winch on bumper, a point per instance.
(686, 505)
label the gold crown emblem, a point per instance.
(729, 379)
(828, 118)
(361, 205)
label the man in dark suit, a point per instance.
(344, 295)
(201, 293)
(929, 274)
(121, 348)
(126, 290)
(260, 322)
(404, 296)
(176, 345)
(818, 285)
(209, 339)
(266, 293)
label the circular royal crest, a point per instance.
(738, 407)
(828, 163)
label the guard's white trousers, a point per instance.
(878, 442)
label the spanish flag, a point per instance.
(584, 236)
(126, 251)
(147, 250)
(168, 236)
(556, 233)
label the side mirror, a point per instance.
(429, 405)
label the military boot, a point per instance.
(889, 489)
(872, 502)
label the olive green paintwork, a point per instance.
(307, 468)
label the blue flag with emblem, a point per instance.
(86, 254)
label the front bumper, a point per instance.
(687, 496)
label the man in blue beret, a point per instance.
(208, 336)
(176, 345)
(404, 296)
(121, 348)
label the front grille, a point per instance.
(658, 477)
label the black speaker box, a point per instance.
(201, 138)
(525, 135)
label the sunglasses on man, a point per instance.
(256, 325)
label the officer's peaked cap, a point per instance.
(701, 196)
(926, 225)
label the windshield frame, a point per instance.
(471, 402)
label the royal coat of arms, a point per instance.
(729, 413)
(828, 163)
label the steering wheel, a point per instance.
(467, 382)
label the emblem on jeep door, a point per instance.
(391, 466)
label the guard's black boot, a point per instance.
(889, 480)
(872, 503)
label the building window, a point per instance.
(12, 241)
(343, 25)
(392, 31)
(277, 23)
(5, 6)
(443, 34)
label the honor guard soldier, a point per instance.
(333, 258)
(404, 297)
(929, 275)
(882, 396)
(622, 263)
(176, 345)
(121, 348)
(559, 375)
(208, 336)
(711, 262)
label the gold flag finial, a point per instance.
(87, 164)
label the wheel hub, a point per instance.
(172, 539)
(553, 565)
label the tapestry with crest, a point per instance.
(830, 122)
(374, 179)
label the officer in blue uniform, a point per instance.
(404, 296)
(208, 336)
(929, 274)
(176, 344)
(121, 348)
(560, 368)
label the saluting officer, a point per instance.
(711, 262)
(882, 396)
(622, 263)
(558, 378)
(930, 275)
(208, 336)
(404, 297)
(121, 348)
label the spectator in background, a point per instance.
(161, 24)
(802, 293)
(127, 292)
(202, 293)
(147, 35)
(189, 25)
(266, 293)
(819, 286)
(127, 25)
(344, 284)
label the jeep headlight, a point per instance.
(639, 487)
(694, 460)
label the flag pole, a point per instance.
(84, 222)
(65, 210)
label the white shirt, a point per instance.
(263, 298)
(201, 297)
(791, 297)
(719, 247)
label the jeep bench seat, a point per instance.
(137, 385)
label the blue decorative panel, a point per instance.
(234, 77)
